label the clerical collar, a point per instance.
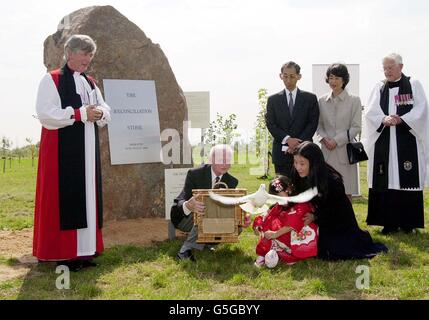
(394, 84)
(77, 73)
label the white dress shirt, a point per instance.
(294, 92)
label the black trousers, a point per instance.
(395, 208)
(284, 169)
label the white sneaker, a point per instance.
(260, 261)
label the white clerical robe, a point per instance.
(417, 119)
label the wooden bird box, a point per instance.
(220, 223)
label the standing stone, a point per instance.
(124, 52)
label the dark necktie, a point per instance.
(217, 180)
(215, 186)
(290, 103)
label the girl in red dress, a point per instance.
(283, 235)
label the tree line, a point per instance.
(223, 129)
(10, 154)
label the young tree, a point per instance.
(5, 145)
(223, 130)
(32, 149)
(263, 139)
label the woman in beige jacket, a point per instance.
(339, 112)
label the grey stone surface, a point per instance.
(124, 52)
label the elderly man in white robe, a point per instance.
(396, 129)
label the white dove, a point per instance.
(255, 203)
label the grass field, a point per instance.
(17, 186)
(129, 272)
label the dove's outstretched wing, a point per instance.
(277, 199)
(305, 196)
(300, 198)
(229, 200)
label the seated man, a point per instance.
(185, 204)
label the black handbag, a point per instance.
(355, 151)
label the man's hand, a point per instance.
(293, 142)
(392, 120)
(195, 206)
(247, 220)
(93, 114)
(308, 218)
(397, 119)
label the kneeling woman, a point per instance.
(340, 237)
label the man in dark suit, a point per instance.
(292, 117)
(204, 177)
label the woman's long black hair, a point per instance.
(319, 173)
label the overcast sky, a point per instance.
(228, 47)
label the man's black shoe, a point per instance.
(211, 246)
(407, 230)
(186, 255)
(73, 265)
(389, 230)
(88, 263)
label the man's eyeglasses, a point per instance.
(289, 76)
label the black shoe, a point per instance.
(73, 265)
(389, 230)
(211, 247)
(186, 255)
(407, 230)
(88, 263)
